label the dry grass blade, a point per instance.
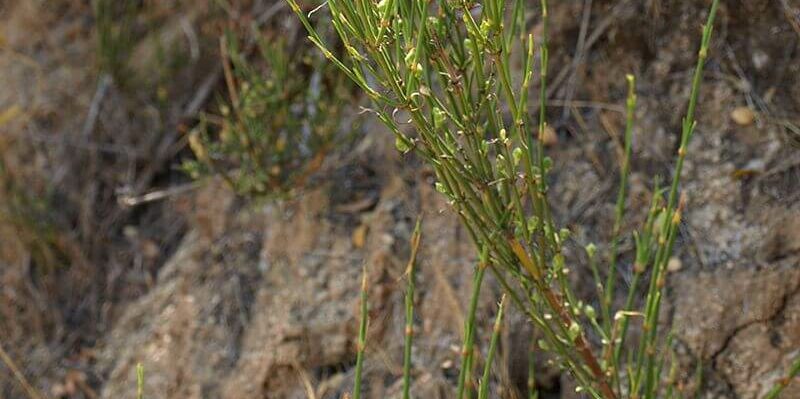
(15, 371)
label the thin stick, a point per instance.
(305, 380)
(26, 386)
(94, 109)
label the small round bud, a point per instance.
(517, 155)
(543, 345)
(591, 250)
(590, 312)
(574, 330)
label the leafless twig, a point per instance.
(94, 107)
(29, 389)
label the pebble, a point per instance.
(743, 116)
(359, 236)
(674, 265)
(550, 137)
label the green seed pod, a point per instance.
(441, 188)
(411, 57)
(439, 118)
(591, 250)
(548, 164)
(543, 344)
(590, 312)
(564, 234)
(574, 330)
(558, 262)
(468, 46)
(402, 143)
(533, 224)
(517, 153)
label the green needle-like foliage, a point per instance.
(444, 68)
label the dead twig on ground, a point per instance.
(29, 389)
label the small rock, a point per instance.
(674, 265)
(760, 59)
(743, 116)
(150, 249)
(549, 138)
(360, 236)
(130, 232)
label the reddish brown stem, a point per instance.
(552, 299)
(580, 344)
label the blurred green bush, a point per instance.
(284, 114)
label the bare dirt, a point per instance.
(218, 296)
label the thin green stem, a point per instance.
(409, 332)
(483, 393)
(362, 337)
(794, 371)
(533, 393)
(139, 381)
(643, 252)
(620, 208)
(647, 354)
(469, 326)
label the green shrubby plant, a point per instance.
(444, 68)
(276, 127)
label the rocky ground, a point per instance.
(219, 296)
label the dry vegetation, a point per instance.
(112, 255)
